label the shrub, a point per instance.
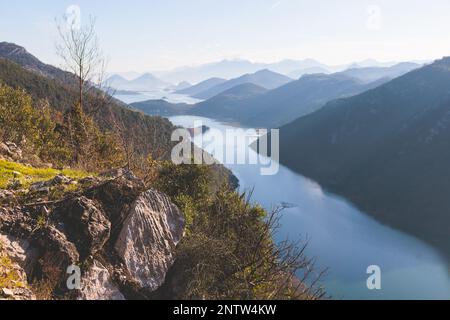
(228, 251)
(62, 139)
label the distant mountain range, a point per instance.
(230, 69)
(274, 108)
(223, 104)
(253, 105)
(282, 105)
(387, 150)
(145, 82)
(263, 78)
(201, 87)
(299, 98)
(297, 74)
(370, 74)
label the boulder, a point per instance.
(44, 186)
(118, 173)
(116, 197)
(14, 255)
(130, 236)
(60, 180)
(11, 150)
(17, 294)
(56, 253)
(46, 249)
(148, 238)
(97, 284)
(16, 222)
(84, 224)
(4, 150)
(40, 187)
(19, 251)
(45, 252)
(90, 181)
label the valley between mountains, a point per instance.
(95, 188)
(377, 136)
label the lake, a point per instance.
(341, 238)
(156, 95)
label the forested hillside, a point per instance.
(145, 133)
(386, 150)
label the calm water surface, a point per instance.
(157, 95)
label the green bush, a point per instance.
(62, 139)
(228, 251)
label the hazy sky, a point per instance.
(163, 34)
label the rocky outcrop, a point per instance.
(98, 284)
(18, 293)
(17, 222)
(14, 255)
(84, 224)
(148, 238)
(44, 186)
(122, 237)
(56, 253)
(10, 151)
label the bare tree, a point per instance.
(79, 49)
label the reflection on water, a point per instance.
(342, 238)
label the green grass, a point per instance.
(10, 171)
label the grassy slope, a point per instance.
(10, 171)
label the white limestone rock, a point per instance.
(147, 241)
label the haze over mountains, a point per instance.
(369, 74)
(378, 136)
(230, 69)
(279, 106)
(382, 143)
(297, 74)
(274, 108)
(387, 150)
(145, 82)
(202, 87)
(263, 78)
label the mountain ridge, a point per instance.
(273, 108)
(201, 86)
(263, 78)
(384, 149)
(56, 88)
(144, 82)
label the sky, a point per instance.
(152, 35)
